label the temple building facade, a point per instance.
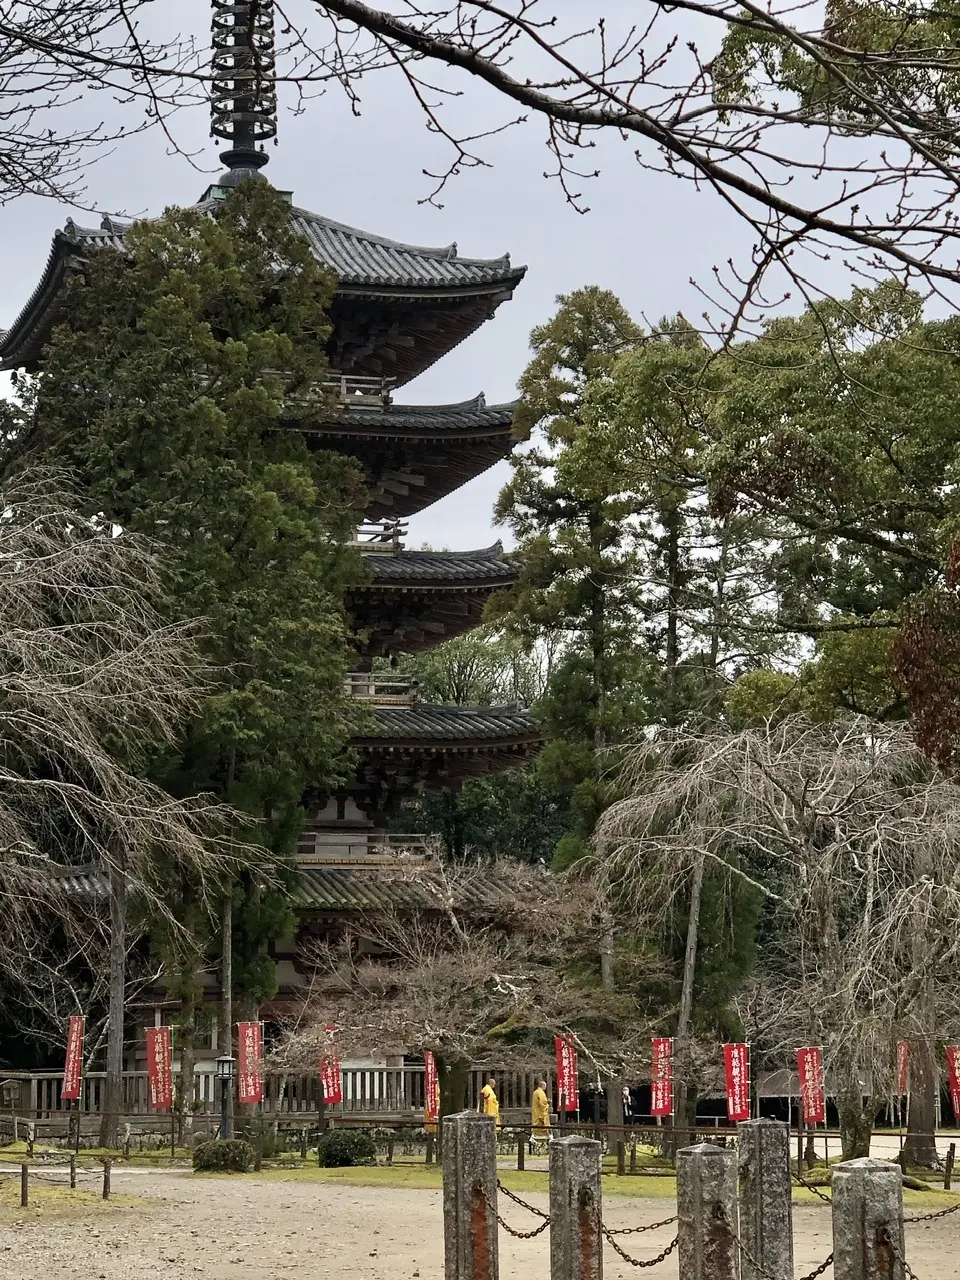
(397, 310)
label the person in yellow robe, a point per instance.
(540, 1112)
(489, 1105)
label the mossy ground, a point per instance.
(54, 1201)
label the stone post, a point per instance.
(867, 1216)
(766, 1216)
(469, 1156)
(707, 1212)
(576, 1243)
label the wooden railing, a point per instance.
(351, 388)
(368, 1093)
(385, 536)
(383, 691)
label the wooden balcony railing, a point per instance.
(354, 389)
(387, 536)
(383, 691)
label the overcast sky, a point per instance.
(644, 237)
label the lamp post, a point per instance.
(225, 1065)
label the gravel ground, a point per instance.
(249, 1229)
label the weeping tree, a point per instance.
(94, 683)
(497, 961)
(851, 840)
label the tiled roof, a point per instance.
(359, 258)
(415, 888)
(467, 415)
(453, 724)
(428, 567)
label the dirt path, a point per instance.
(248, 1229)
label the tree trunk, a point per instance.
(454, 1076)
(613, 1088)
(116, 1009)
(920, 1147)
(856, 1124)
(226, 999)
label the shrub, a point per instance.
(340, 1147)
(230, 1156)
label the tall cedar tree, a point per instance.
(174, 390)
(577, 575)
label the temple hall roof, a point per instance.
(439, 569)
(441, 725)
(450, 295)
(379, 888)
(402, 420)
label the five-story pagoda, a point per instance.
(398, 308)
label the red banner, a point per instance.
(73, 1066)
(813, 1103)
(953, 1071)
(250, 1065)
(431, 1087)
(330, 1073)
(568, 1086)
(736, 1067)
(661, 1077)
(160, 1068)
(903, 1066)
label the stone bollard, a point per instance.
(766, 1214)
(707, 1213)
(469, 1157)
(576, 1242)
(867, 1221)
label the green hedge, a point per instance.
(340, 1147)
(230, 1156)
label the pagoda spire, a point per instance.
(244, 95)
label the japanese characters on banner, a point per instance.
(250, 1065)
(661, 1077)
(330, 1073)
(903, 1066)
(568, 1086)
(160, 1068)
(431, 1087)
(810, 1075)
(73, 1066)
(736, 1067)
(953, 1071)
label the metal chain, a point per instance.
(635, 1231)
(932, 1217)
(824, 1266)
(810, 1187)
(522, 1203)
(640, 1262)
(721, 1215)
(511, 1231)
(897, 1253)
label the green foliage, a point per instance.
(231, 1155)
(339, 1148)
(175, 389)
(884, 58)
(758, 696)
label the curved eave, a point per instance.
(469, 420)
(443, 728)
(436, 571)
(368, 267)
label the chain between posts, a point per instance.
(635, 1231)
(520, 1235)
(640, 1262)
(932, 1217)
(810, 1187)
(719, 1213)
(887, 1236)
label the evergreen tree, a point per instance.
(174, 390)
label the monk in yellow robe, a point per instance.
(489, 1105)
(540, 1112)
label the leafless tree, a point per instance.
(507, 959)
(828, 130)
(854, 844)
(93, 682)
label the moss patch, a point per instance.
(50, 1201)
